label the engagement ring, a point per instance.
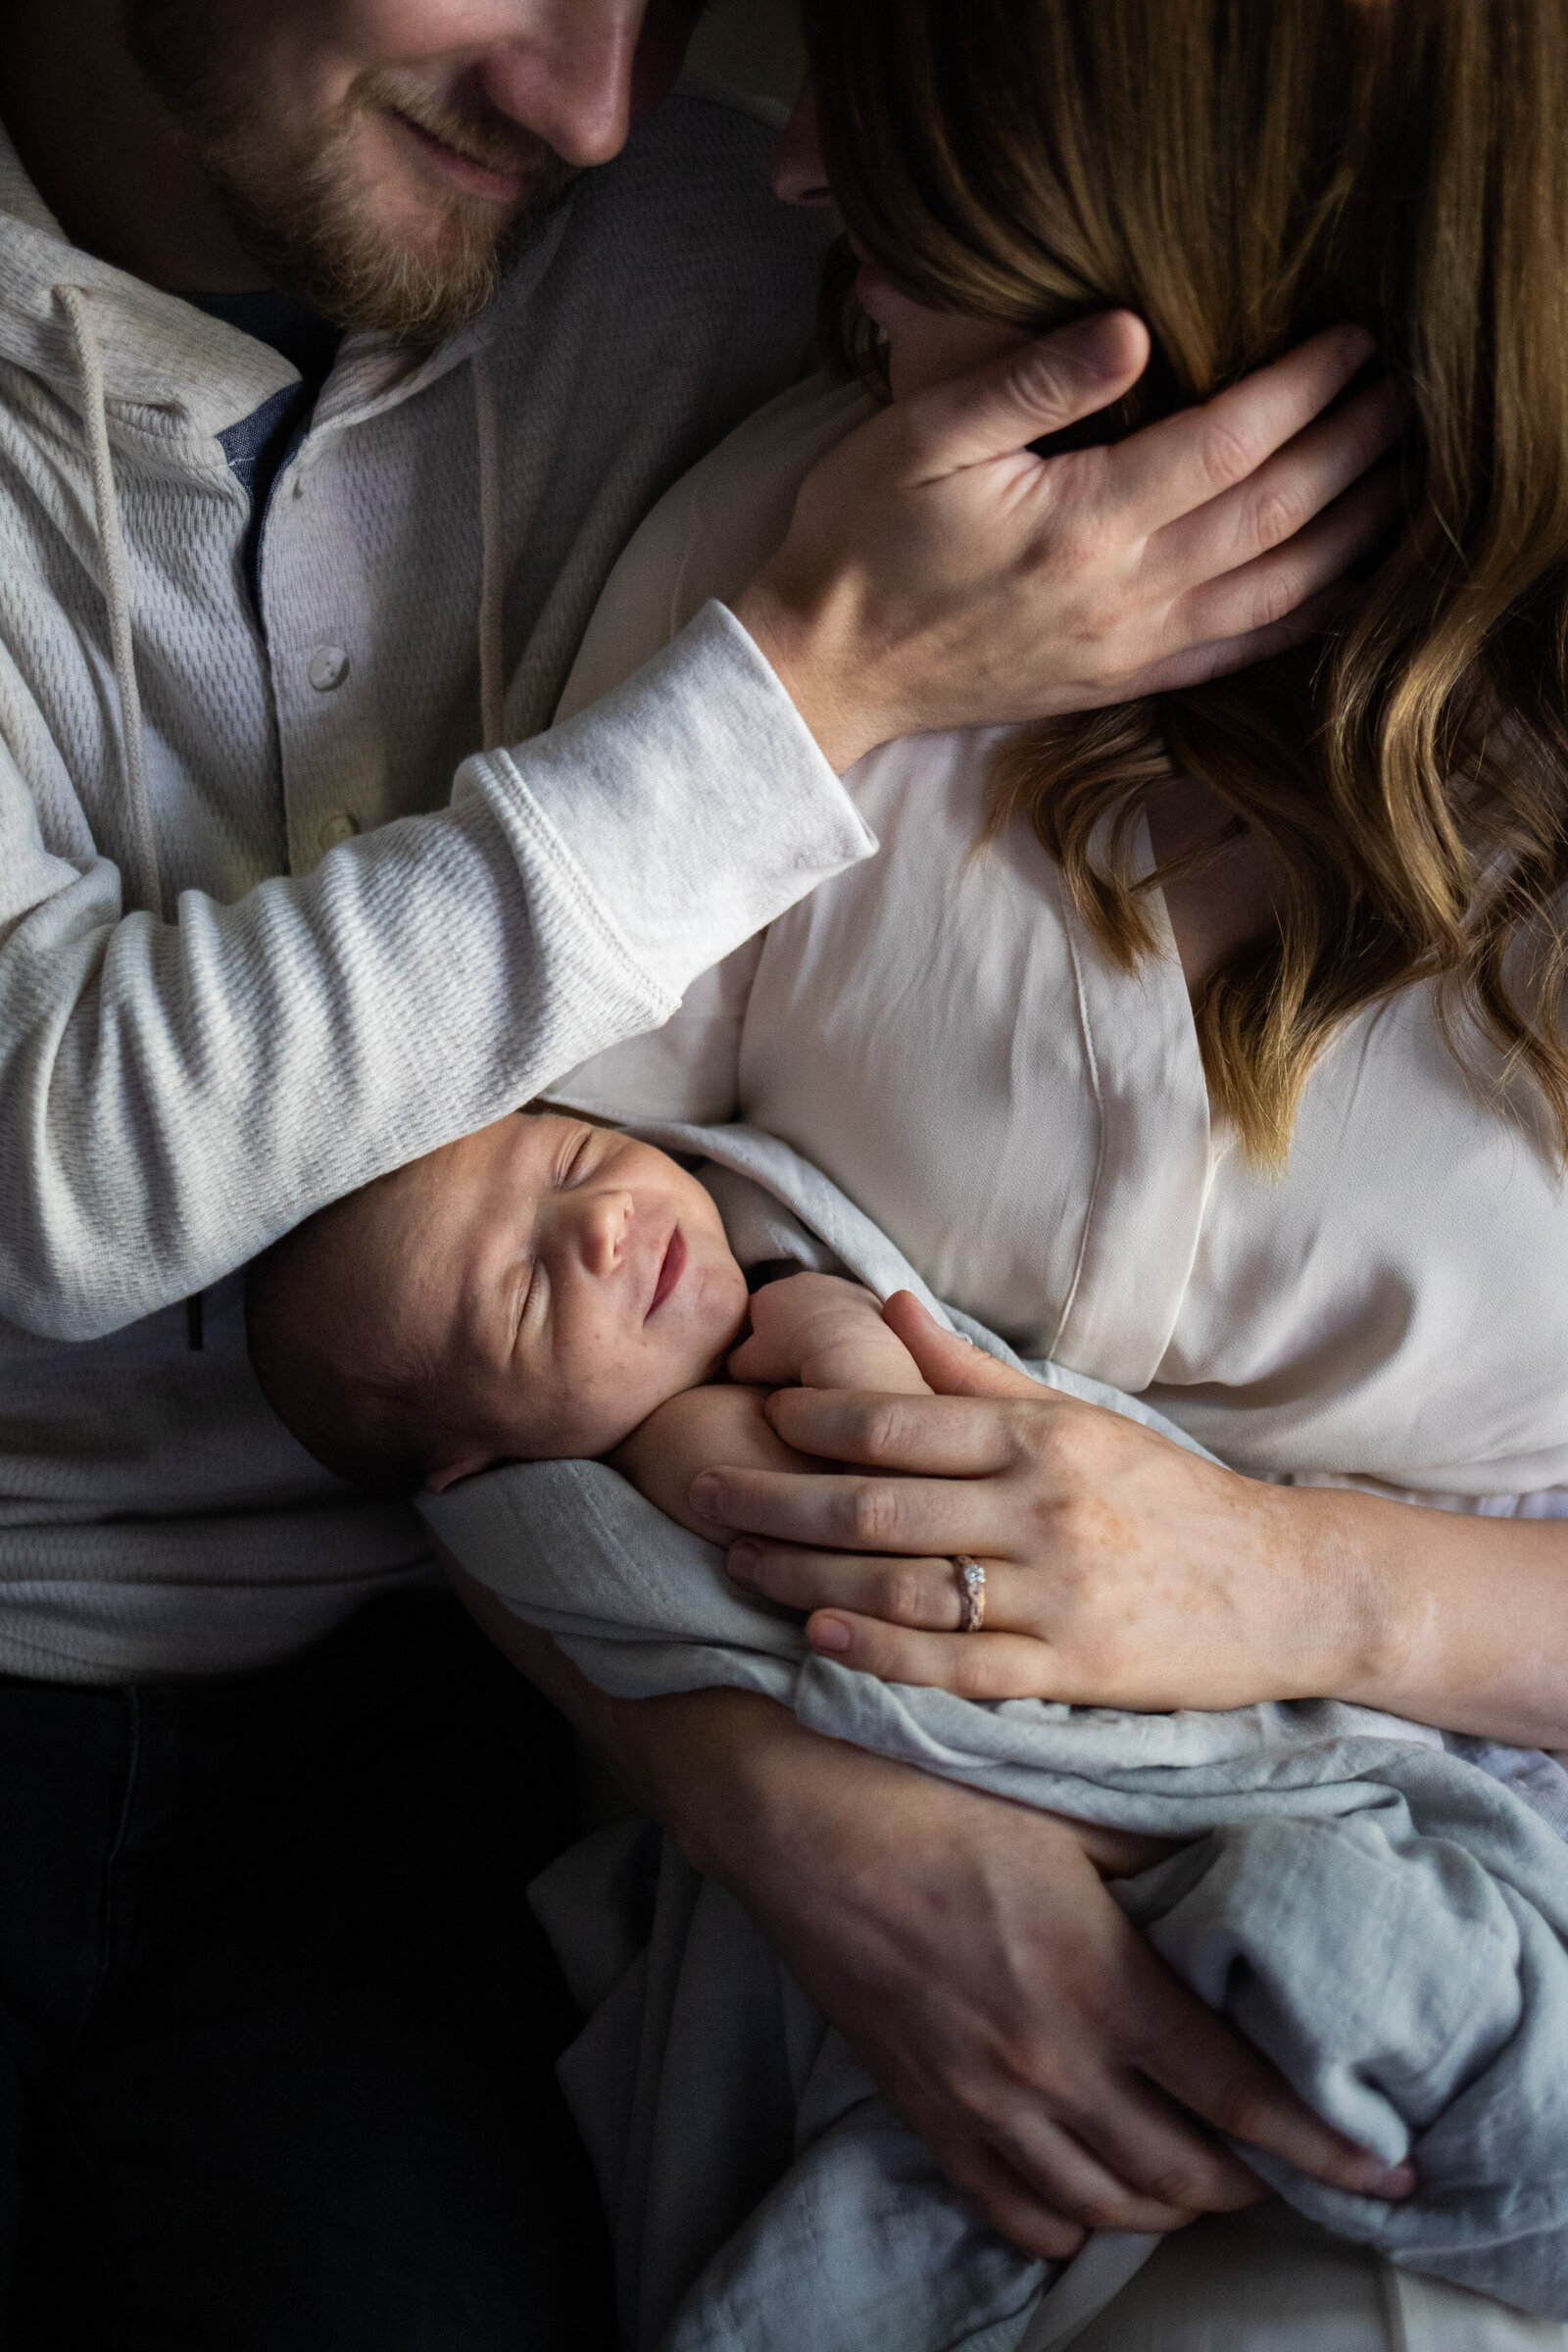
(972, 1593)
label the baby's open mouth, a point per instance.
(670, 1272)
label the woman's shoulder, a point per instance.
(709, 534)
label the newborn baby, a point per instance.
(544, 1290)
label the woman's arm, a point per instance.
(1124, 1571)
(1061, 2075)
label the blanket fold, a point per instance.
(1384, 1913)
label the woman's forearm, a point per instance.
(1447, 1618)
(1124, 1570)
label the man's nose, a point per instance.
(796, 171)
(568, 77)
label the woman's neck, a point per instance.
(1223, 902)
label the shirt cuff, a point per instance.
(686, 808)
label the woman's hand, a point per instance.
(1122, 1570)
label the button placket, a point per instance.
(320, 613)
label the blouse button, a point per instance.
(327, 667)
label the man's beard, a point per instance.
(300, 200)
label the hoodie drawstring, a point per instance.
(492, 689)
(116, 591)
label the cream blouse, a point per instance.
(939, 1032)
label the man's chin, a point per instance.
(382, 252)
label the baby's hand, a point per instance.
(816, 1331)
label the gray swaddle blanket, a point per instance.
(1382, 1911)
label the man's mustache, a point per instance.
(484, 136)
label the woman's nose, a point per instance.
(796, 171)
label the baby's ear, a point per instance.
(467, 1465)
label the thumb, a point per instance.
(947, 1363)
(999, 409)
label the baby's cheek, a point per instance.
(636, 1387)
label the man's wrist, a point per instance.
(805, 651)
(701, 1762)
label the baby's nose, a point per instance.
(607, 1219)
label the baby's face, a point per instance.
(564, 1281)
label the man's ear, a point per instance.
(466, 1465)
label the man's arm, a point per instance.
(172, 1095)
(1060, 2074)
(175, 1094)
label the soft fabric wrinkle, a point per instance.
(1384, 1916)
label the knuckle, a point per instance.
(869, 1515)
(1186, 2186)
(1277, 516)
(1238, 2107)
(1106, 2211)
(1228, 455)
(1038, 379)
(900, 1597)
(884, 1425)
(1034, 1434)
(1077, 546)
(1274, 600)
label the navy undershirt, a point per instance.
(259, 445)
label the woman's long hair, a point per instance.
(1241, 173)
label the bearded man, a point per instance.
(343, 343)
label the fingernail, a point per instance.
(744, 1561)
(828, 1633)
(704, 1493)
(1358, 346)
(1101, 340)
(1387, 2180)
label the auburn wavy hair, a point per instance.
(1242, 173)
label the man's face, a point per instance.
(382, 157)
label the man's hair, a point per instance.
(364, 1413)
(1241, 174)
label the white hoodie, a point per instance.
(249, 955)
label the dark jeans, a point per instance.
(276, 2027)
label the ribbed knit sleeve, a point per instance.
(172, 1095)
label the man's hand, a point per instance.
(1060, 2074)
(966, 1947)
(937, 573)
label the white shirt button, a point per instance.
(342, 826)
(327, 667)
